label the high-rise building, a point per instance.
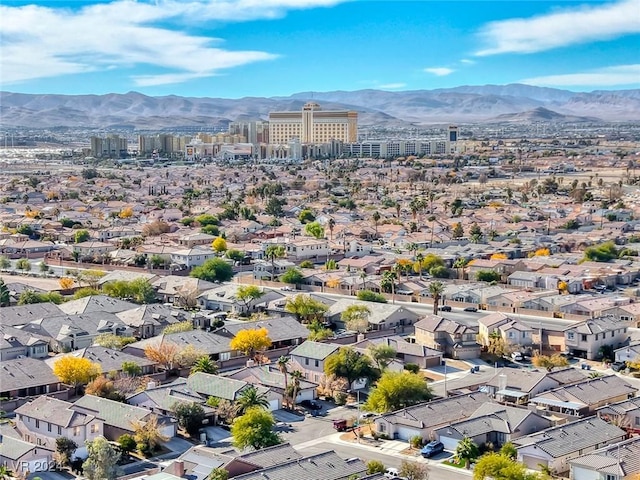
(111, 146)
(313, 125)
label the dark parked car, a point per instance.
(311, 405)
(470, 309)
(431, 449)
(617, 366)
(445, 308)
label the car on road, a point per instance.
(517, 356)
(445, 308)
(367, 415)
(431, 449)
(392, 473)
(617, 366)
(311, 405)
(470, 309)
(286, 289)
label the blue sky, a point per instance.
(240, 48)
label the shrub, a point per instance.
(412, 367)
(340, 398)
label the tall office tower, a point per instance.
(313, 125)
(452, 139)
(110, 147)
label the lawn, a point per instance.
(452, 462)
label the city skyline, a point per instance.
(233, 49)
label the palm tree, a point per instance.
(283, 366)
(250, 397)
(272, 252)
(376, 218)
(296, 376)
(363, 277)
(204, 364)
(467, 450)
(436, 289)
(418, 264)
(331, 224)
(5, 473)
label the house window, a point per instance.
(510, 334)
(94, 428)
(611, 477)
(596, 337)
(76, 431)
(39, 441)
(570, 335)
(317, 363)
(382, 427)
(59, 430)
(613, 334)
(637, 421)
(37, 423)
(583, 338)
(49, 426)
(306, 361)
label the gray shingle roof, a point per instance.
(322, 466)
(270, 456)
(314, 350)
(280, 329)
(23, 314)
(592, 391)
(113, 413)
(54, 411)
(573, 437)
(108, 358)
(25, 373)
(621, 458)
(96, 303)
(218, 386)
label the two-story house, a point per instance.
(613, 462)
(191, 257)
(309, 357)
(308, 249)
(44, 419)
(190, 240)
(512, 331)
(584, 339)
(625, 413)
(454, 339)
(16, 343)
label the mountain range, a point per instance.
(514, 103)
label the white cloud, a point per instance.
(602, 77)
(561, 28)
(440, 71)
(392, 86)
(467, 61)
(43, 42)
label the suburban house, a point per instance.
(16, 343)
(226, 388)
(512, 331)
(613, 462)
(307, 249)
(283, 331)
(20, 456)
(92, 248)
(44, 419)
(270, 377)
(119, 418)
(224, 298)
(161, 399)
(26, 377)
(584, 339)
(309, 357)
(176, 289)
(448, 336)
(190, 240)
(406, 352)
(519, 386)
(585, 397)
(110, 360)
(424, 419)
(214, 345)
(383, 316)
(626, 413)
(555, 447)
(191, 257)
(265, 270)
(492, 423)
(630, 353)
(150, 320)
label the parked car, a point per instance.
(431, 449)
(470, 309)
(517, 356)
(392, 473)
(445, 308)
(311, 405)
(617, 366)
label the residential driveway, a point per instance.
(51, 475)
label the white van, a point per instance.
(517, 356)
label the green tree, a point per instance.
(235, 255)
(115, 342)
(283, 366)
(487, 276)
(127, 443)
(314, 229)
(250, 398)
(274, 206)
(23, 264)
(467, 451)
(131, 369)
(350, 365)
(375, 466)
(204, 364)
(81, 236)
(178, 327)
(5, 296)
(305, 308)
(396, 390)
(213, 270)
(189, 415)
(292, 276)
(65, 448)
(436, 289)
(369, 296)
(306, 216)
(148, 435)
(500, 467)
(5, 263)
(85, 292)
(102, 462)
(509, 450)
(318, 332)
(356, 317)
(248, 293)
(219, 473)
(254, 429)
(601, 253)
(29, 296)
(458, 230)
(272, 253)
(207, 219)
(382, 355)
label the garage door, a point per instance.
(274, 405)
(533, 462)
(308, 394)
(405, 433)
(449, 443)
(169, 430)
